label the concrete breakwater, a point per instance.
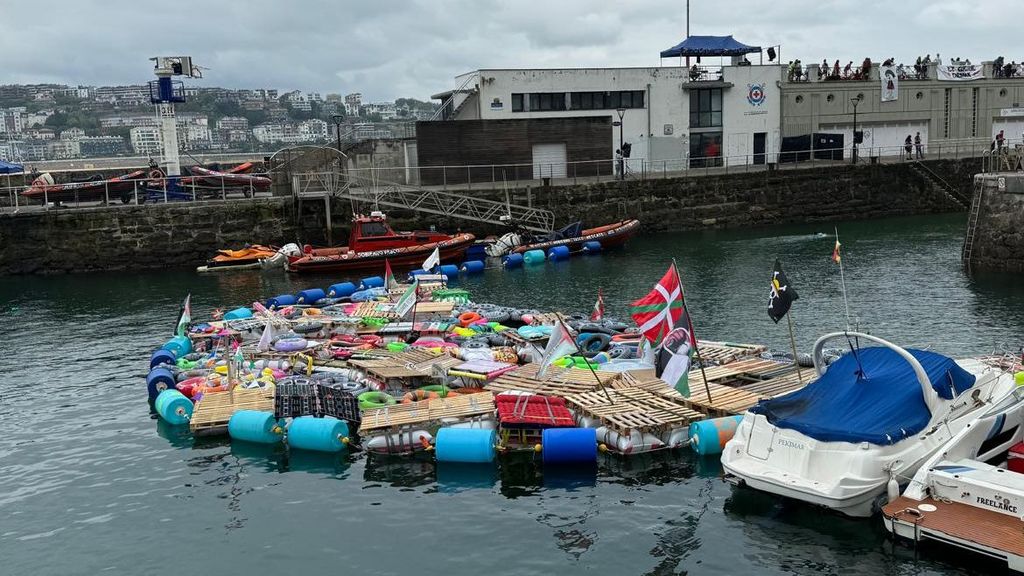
(998, 234)
(186, 234)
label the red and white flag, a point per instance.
(662, 309)
(598, 313)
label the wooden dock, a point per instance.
(556, 381)
(428, 412)
(411, 363)
(627, 409)
(737, 386)
(212, 413)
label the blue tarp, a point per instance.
(8, 168)
(709, 46)
(882, 406)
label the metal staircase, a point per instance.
(938, 183)
(972, 222)
(462, 89)
(421, 199)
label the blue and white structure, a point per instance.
(164, 92)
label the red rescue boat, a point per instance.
(236, 177)
(373, 241)
(44, 188)
(610, 236)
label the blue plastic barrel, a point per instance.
(418, 272)
(343, 290)
(371, 282)
(310, 296)
(533, 257)
(473, 267)
(318, 434)
(450, 270)
(161, 356)
(254, 426)
(558, 253)
(158, 380)
(238, 314)
(569, 445)
(591, 247)
(173, 407)
(708, 437)
(469, 445)
(281, 301)
(179, 346)
(513, 261)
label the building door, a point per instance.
(760, 139)
(549, 161)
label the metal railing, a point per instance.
(146, 191)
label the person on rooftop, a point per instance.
(835, 71)
(938, 59)
(848, 69)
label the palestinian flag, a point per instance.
(184, 317)
(389, 276)
(662, 309)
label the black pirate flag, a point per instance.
(782, 294)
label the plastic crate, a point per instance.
(339, 404)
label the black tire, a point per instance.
(598, 338)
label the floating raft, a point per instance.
(215, 409)
(428, 411)
(626, 409)
(407, 364)
(556, 381)
(726, 352)
(737, 386)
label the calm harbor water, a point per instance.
(90, 484)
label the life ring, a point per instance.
(438, 389)
(595, 342)
(290, 344)
(467, 318)
(628, 337)
(374, 399)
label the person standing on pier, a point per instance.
(918, 147)
(908, 147)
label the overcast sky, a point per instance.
(389, 48)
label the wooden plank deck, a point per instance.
(556, 381)
(411, 363)
(212, 413)
(427, 411)
(627, 409)
(983, 527)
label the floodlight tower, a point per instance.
(164, 92)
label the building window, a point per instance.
(517, 102)
(606, 100)
(547, 101)
(706, 108)
(705, 149)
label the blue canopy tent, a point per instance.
(709, 46)
(9, 168)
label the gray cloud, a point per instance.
(391, 48)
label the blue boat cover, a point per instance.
(9, 168)
(881, 405)
(709, 46)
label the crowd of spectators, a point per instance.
(797, 72)
(1003, 69)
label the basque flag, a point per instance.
(662, 309)
(598, 312)
(781, 295)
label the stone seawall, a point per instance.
(185, 235)
(999, 234)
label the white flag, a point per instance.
(560, 343)
(407, 300)
(267, 337)
(433, 260)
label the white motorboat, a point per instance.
(968, 495)
(875, 413)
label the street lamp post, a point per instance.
(622, 156)
(854, 101)
(337, 119)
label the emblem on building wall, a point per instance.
(755, 94)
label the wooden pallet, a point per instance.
(626, 410)
(212, 413)
(646, 380)
(412, 363)
(374, 309)
(427, 411)
(726, 352)
(556, 381)
(548, 318)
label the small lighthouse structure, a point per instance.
(164, 92)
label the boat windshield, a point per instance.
(374, 229)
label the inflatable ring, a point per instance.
(374, 399)
(290, 344)
(467, 318)
(628, 337)
(476, 343)
(418, 395)
(308, 327)
(438, 390)
(599, 339)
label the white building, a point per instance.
(233, 123)
(353, 103)
(72, 133)
(12, 120)
(63, 149)
(145, 140)
(669, 119)
(297, 101)
(313, 130)
(33, 119)
(386, 110)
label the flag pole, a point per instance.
(792, 340)
(842, 279)
(693, 335)
(579, 350)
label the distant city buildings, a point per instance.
(56, 121)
